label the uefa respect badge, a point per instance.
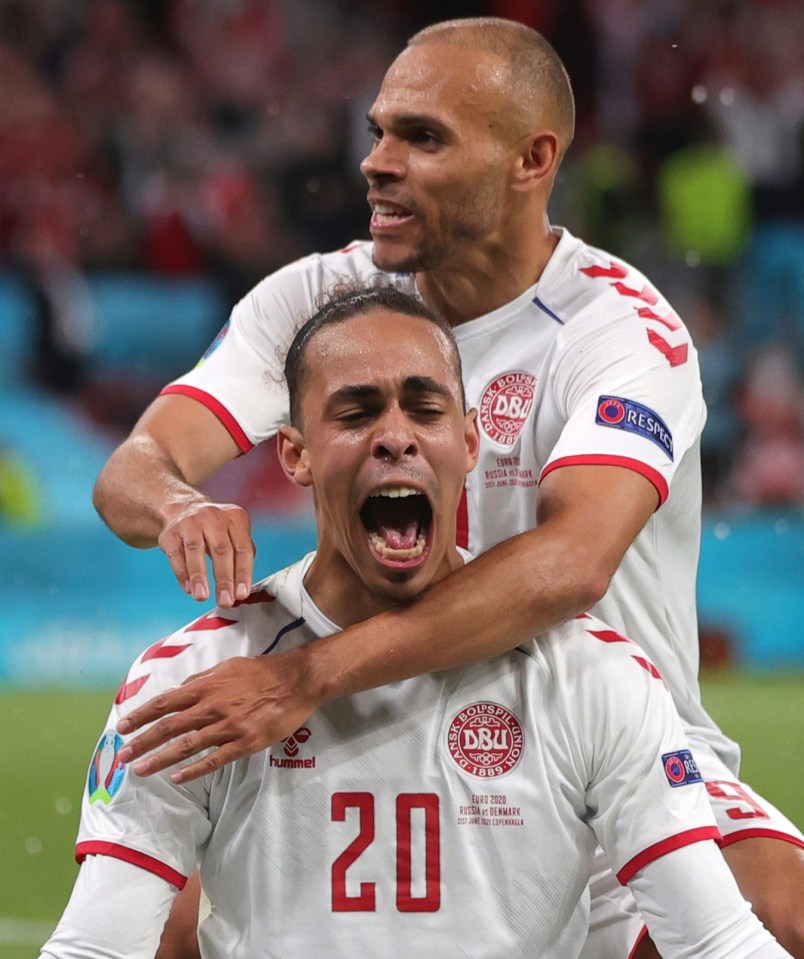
(680, 768)
(106, 771)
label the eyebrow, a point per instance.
(407, 120)
(366, 391)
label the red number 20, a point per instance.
(366, 900)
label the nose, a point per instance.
(384, 162)
(394, 438)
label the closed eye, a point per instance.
(427, 411)
(355, 415)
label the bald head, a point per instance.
(537, 82)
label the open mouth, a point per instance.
(398, 520)
(385, 215)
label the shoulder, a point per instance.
(287, 296)
(317, 273)
(250, 628)
(587, 654)
(590, 288)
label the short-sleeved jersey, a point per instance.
(589, 366)
(450, 814)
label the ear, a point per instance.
(472, 440)
(538, 161)
(294, 456)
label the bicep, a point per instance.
(189, 433)
(602, 507)
(116, 911)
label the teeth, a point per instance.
(396, 492)
(387, 553)
(387, 209)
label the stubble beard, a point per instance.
(466, 225)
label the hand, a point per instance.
(222, 530)
(237, 708)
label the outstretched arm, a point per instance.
(147, 495)
(588, 517)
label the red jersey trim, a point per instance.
(462, 522)
(604, 459)
(659, 849)
(231, 424)
(639, 939)
(148, 863)
(759, 833)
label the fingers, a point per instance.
(244, 553)
(177, 701)
(210, 763)
(232, 744)
(234, 709)
(222, 531)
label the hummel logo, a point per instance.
(291, 744)
(290, 747)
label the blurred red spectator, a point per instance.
(769, 470)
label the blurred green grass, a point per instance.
(50, 735)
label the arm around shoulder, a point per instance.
(515, 591)
(588, 517)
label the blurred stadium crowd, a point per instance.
(183, 138)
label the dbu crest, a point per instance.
(485, 740)
(505, 406)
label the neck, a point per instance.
(346, 599)
(483, 280)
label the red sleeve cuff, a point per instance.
(759, 833)
(659, 849)
(97, 848)
(214, 406)
(602, 459)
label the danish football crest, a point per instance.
(485, 740)
(505, 405)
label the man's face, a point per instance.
(439, 169)
(386, 446)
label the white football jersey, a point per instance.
(450, 814)
(589, 366)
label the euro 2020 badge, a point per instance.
(106, 771)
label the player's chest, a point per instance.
(507, 380)
(436, 809)
(462, 762)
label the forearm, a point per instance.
(588, 518)
(513, 592)
(141, 490)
